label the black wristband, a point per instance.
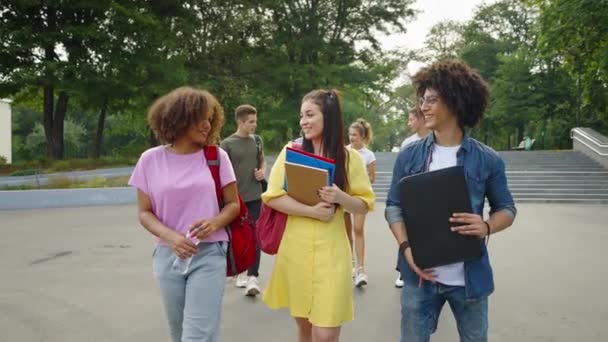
(489, 229)
(403, 246)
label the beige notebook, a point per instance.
(304, 181)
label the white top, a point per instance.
(411, 139)
(452, 274)
(367, 156)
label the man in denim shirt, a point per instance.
(453, 97)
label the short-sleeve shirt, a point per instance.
(242, 152)
(411, 139)
(181, 187)
(367, 156)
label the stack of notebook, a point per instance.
(305, 174)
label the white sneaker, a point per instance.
(361, 279)
(253, 287)
(399, 282)
(241, 280)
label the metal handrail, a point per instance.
(588, 136)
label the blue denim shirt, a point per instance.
(485, 177)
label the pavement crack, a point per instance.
(51, 257)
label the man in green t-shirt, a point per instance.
(246, 154)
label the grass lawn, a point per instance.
(72, 183)
(31, 167)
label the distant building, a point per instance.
(6, 132)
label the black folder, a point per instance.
(428, 201)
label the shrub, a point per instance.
(61, 182)
(60, 165)
(24, 172)
(96, 182)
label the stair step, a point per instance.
(519, 190)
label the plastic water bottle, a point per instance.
(180, 265)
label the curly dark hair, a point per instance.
(460, 87)
(171, 115)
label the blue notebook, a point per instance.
(304, 158)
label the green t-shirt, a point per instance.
(244, 158)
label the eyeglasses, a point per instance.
(430, 100)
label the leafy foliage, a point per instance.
(83, 73)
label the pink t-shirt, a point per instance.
(181, 188)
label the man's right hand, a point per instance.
(428, 275)
(181, 245)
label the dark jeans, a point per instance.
(254, 211)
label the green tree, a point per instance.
(516, 99)
(95, 50)
(575, 33)
(499, 28)
(291, 47)
(443, 41)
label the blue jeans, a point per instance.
(193, 301)
(421, 306)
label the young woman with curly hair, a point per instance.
(176, 201)
(312, 271)
(453, 97)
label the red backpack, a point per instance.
(241, 245)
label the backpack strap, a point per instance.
(258, 147)
(213, 162)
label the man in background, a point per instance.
(415, 122)
(245, 150)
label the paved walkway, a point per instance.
(84, 274)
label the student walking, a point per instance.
(360, 136)
(453, 97)
(415, 122)
(245, 150)
(177, 203)
(312, 271)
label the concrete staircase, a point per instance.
(533, 176)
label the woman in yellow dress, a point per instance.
(312, 271)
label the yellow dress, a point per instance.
(312, 271)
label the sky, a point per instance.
(431, 13)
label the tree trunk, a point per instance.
(520, 133)
(47, 118)
(58, 119)
(101, 121)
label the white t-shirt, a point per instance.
(412, 138)
(452, 274)
(367, 156)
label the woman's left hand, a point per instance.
(472, 224)
(331, 194)
(203, 229)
